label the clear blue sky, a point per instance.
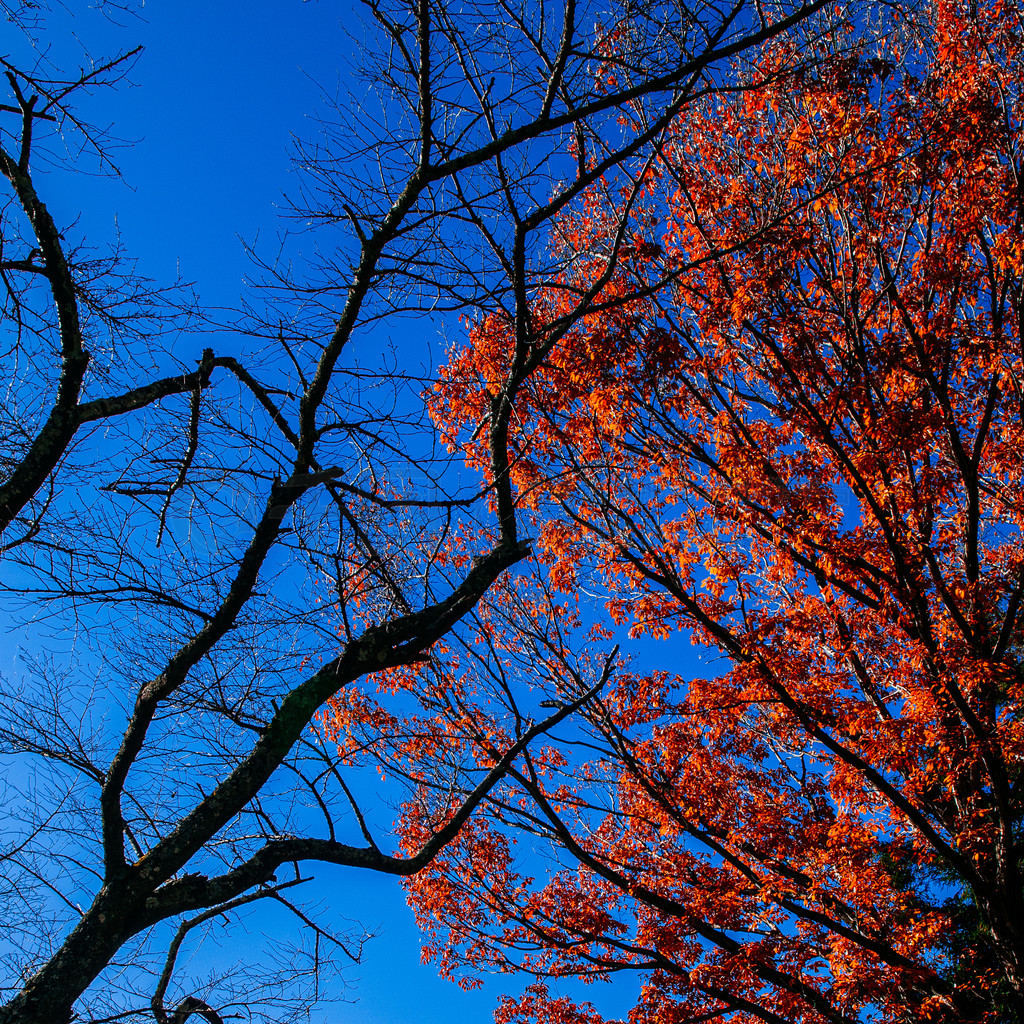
(217, 96)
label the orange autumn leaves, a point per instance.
(790, 430)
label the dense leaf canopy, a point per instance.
(790, 430)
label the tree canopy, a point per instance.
(788, 432)
(189, 490)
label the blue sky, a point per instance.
(215, 100)
(218, 94)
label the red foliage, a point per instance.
(801, 444)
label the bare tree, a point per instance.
(244, 538)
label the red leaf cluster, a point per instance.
(791, 429)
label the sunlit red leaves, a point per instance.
(538, 1004)
(790, 427)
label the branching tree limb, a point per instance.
(220, 527)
